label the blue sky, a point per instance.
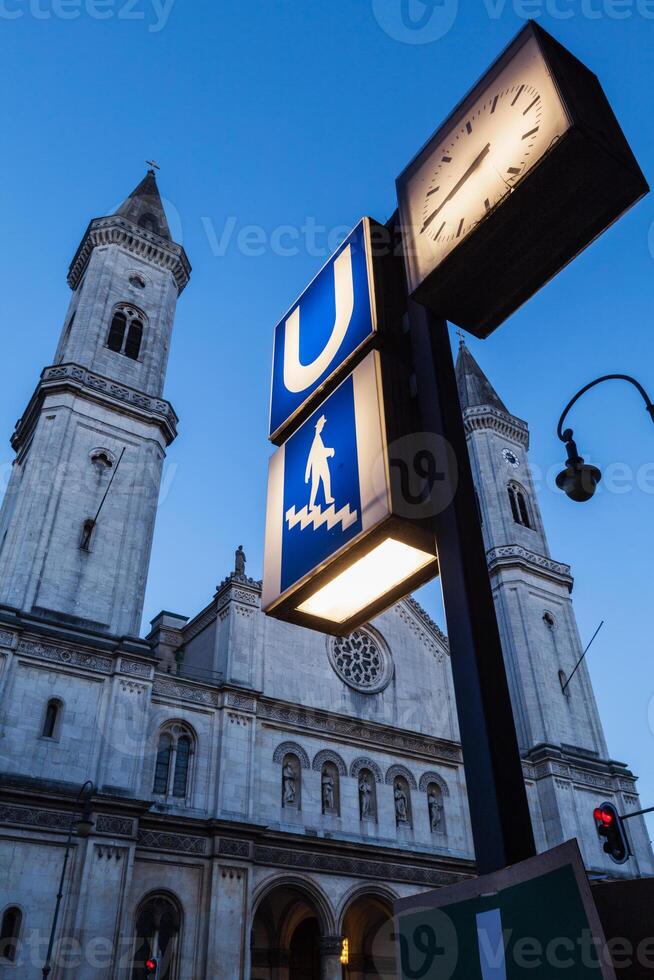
(301, 114)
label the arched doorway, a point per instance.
(157, 932)
(304, 952)
(368, 928)
(286, 934)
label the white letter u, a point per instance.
(298, 377)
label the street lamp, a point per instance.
(82, 827)
(579, 479)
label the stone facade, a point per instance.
(260, 792)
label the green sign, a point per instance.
(536, 919)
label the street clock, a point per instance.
(523, 175)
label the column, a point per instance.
(229, 922)
(330, 957)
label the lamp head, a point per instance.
(85, 824)
(578, 480)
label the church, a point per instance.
(251, 796)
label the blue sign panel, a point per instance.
(327, 483)
(330, 322)
(322, 498)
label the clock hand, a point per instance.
(457, 187)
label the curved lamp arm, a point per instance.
(565, 435)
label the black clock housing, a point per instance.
(581, 185)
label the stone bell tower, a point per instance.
(77, 519)
(567, 765)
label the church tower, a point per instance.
(560, 733)
(77, 519)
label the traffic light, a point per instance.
(610, 829)
(151, 967)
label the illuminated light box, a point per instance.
(345, 535)
(524, 174)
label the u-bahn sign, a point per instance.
(326, 331)
(339, 544)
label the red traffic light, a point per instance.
(603, 816)
(150, 965)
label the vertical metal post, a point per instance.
(499, 812)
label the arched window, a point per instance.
(180, 771)
(519, 506)
(330, 790)
(291, 782)
(126, 331)
(172, 771)
(158, 927)
(149, 222)
(435, 808)
(402, 797)
(10, 933)
(52, 718)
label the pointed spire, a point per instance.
(145, 208)
(474, 387)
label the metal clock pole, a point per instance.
(499, 812)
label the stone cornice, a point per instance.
(594, 773)
(487, 417)
(514, 555)
(116, 230)
(313, 722)
(74, 377)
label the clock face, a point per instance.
(504, 128)
(510, 458)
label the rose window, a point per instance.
(361, 662)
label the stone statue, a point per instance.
(327, 792)
(239, 562)
(401, 804)
(288, 784)
(435, 809)
(365, 797)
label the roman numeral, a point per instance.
(487, 204)
(447, 159)
(494, 105)
(469, 128)
(513, 170)
(458, 234)
(519, 93)
(437, 235)
(434, 190)
(531, 132)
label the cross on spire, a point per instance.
(462, 337)
(153, 164)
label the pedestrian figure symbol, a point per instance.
(318, 466)
(317, 472)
